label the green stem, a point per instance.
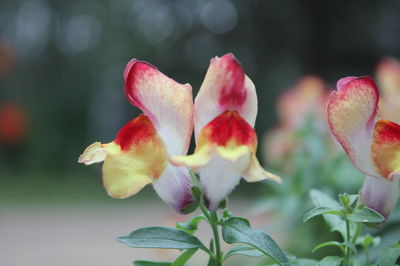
(348, 239)
(214, 226)
(366, 256)
(212, 218)
(357, 233)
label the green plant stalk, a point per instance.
(347, 249)
(357, 233)
(366, 256)
(212, 218)
(214, 226)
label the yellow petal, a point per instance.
(134, 159)
(256, 173)
(386, 148)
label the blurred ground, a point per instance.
(69, 232)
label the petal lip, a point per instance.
(352, 111)
(386, 148)
(94, 153)
(129, 66)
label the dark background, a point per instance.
(68, 58)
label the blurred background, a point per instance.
(61, 88)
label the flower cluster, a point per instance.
(296, 108)
(151, 149)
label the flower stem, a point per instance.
(212, 218)
(214, 226)
(347, 249)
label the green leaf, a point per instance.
(320, 199)
(331, 261)
(161, 237)
(191, 226)
(352, 199)
(365, 215)
(327, 244)
(335, 222)
(319, 211)
(150, 263)
(244, 250)
(184, 257)
(388, 255)
(237, 230)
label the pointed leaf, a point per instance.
(331, 261)
(191, 226)
(336, 223)
(320, 199)
(365, 215)
(161, 237)
(237, 230)
(244, 250)
(319, 211)
(327, 244)
(184, 257)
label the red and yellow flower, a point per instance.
(139, 154)
(225, 111)
(373, 145)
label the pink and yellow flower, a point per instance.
(372, 145)
(225, 111)
(139, 154)
(304, 102)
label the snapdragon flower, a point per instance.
(372, 144)
(139, 154)
(225, 111)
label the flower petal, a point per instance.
(386, 148)
(380, 194)
(134, 159)
(256, 173)
(225, 151)
(167, 103)
(94, 153)
(174, 187)
(352, 112)
(220, 176)
(225, 87)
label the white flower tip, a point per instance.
(94, 153)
